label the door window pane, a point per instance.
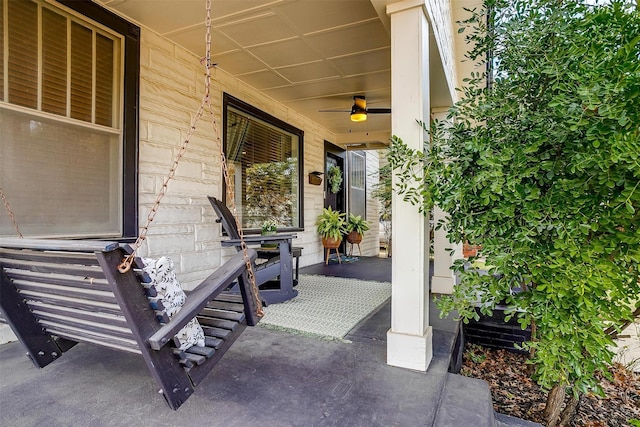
(357, 184)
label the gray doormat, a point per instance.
(327, 307)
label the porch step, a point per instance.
(507, 421)
(467, 401)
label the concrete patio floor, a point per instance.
(270, 378)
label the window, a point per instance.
(67, 125)
(357, 184)
(264, 156)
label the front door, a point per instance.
(336, 196)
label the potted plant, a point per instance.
(356, 227)
(331, 226)
(334, 178)
(269, 228)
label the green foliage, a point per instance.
(269, 193)
(357, 223)
(334, 178)
(269, 226)
(542, 168)
(331, 224)
(382, 191)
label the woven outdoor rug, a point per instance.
(327, 307)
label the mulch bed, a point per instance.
(515, 393)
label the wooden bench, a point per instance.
(56, 293)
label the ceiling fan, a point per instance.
(359, 109)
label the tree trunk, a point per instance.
(553, 408)
(570, 411)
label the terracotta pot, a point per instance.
(354, 237)
(330, 242)
(470, 250)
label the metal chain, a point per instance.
(206, 102)
(225, 170)
(10, 212)
(125, 265)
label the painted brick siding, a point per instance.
(171, 89)
(439, 12)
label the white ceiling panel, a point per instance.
(249, 32)
(265, 79)
(238, 62)
(308, 54)
(363, 62)
(312, 71)
(309, 16)
(285, 53)
(361, 37)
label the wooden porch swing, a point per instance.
(56, 293)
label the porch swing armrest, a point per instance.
(197, 299)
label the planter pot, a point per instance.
(269, 245)
(354, 238)
(470, 250)
(331, 243)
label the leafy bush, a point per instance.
(541, 167)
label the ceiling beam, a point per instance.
(381, 137)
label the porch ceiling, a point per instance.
(310, 55)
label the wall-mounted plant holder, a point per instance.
(315, 178)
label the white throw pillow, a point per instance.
(170, 295)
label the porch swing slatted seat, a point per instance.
(57, 293)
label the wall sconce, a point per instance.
(315, 178)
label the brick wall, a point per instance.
(439, 12)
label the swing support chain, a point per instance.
(205, 104)
(7, 207)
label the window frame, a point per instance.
(129, 115)
(231, 101)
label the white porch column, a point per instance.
(443, 278)
(409, 341)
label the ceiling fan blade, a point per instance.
(379, 110)
(334, 111)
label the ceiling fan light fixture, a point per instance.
(358, 115)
